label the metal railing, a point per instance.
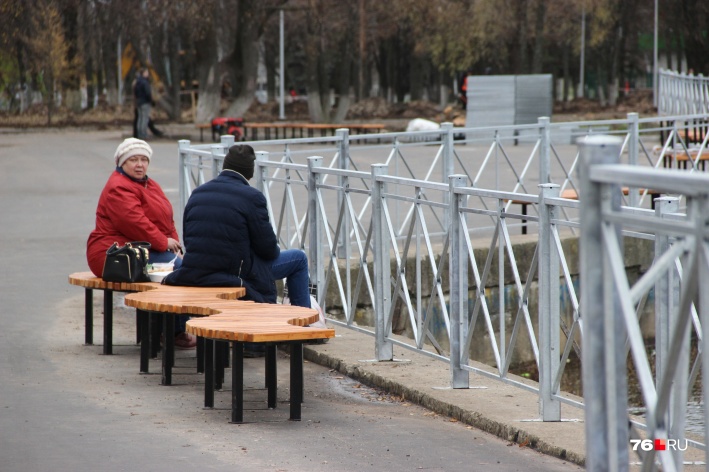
(682, 94)
(611, 327)
(433, 256)
(508, 158)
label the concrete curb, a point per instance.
(458, 405)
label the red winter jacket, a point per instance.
(129, 210)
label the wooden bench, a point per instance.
(693, 135)
(90, 283)
(238, 322)
(571, 194)
(201, 127)
(280, 130)
(149, 341)
(683, 157)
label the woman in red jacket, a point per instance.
(133, 207)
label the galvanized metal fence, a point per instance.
(609, 299)
(682, 94)
(506, 158)
(423, 237)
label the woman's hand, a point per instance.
(174, 246)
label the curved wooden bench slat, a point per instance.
(225, 317)
(89, 280)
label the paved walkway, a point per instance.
(64, 406)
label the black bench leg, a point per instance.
(296, 380)
(219, 361)
(200, 355)
(108, 322)
(271, 375)
(208, 373)
(155, 330)
(144, 324)
(524, 221)
(237, 383)
(88, 316)
(138, 328)
(168, 354)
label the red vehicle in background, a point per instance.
(227, 125)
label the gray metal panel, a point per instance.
(507, 100)
(491, 100)
(533, 98)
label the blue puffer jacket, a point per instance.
(229, 241)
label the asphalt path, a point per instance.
(66, 407)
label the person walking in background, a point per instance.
(151, 124)
(143, 102)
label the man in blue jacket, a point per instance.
(229, 240)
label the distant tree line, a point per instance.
(352, 49)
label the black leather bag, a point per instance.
(128, 263)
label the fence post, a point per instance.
(182, 156)
(384, 348)
(343, 242)
(227, 141)
(447, 163)
(633, 147)
(217, 160)
(549, 315)
(604, 360)
(667, 294)
(664, 303)
(315, 254)
(260, 176)
(260, 171)
(460, 378)
(544, 150)
(703, 309)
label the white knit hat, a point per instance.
(132, 147)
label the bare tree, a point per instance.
(49, 50)
(695, 24)
(327, 50)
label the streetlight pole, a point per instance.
(654, 62)
(282, 76)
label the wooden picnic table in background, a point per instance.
(682, 157)
(284, 130)
(280, 130)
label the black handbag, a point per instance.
(128, 263)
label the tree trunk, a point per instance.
(343, 77)
(251, 21)
(567, 73)
(173, 87)
(538, 56)
(109, 61)
(49, 98)
(272, 73)
(209, 77)
(522, 38)
(695, 17)
(84, 31)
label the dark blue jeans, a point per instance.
(292, 265)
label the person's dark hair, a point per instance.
(240, 158)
